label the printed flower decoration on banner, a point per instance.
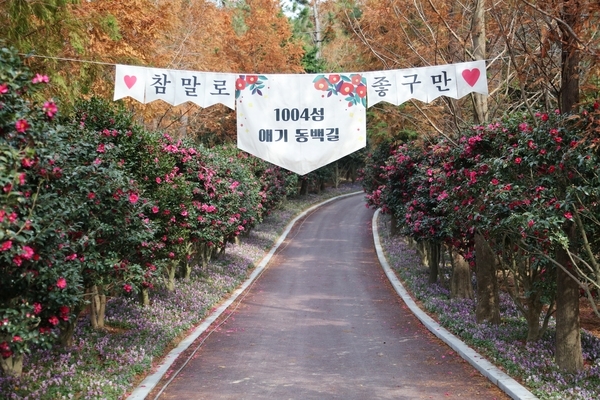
(354, 87)
(254, 83)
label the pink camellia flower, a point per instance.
(530, 223)
(91, 195)
(53, 320)
(21, 125)
(97, 161)
(50, 109)
(6, 245)
(22, 178)
(155, 209)
(18, 260)
(356, 78)
(37, 308)
(40, 78)
(71, 257)
(61, 283)
(100, 148)
(4, 88)
(133, 198)
(568, 215)
(495, 181)
(518, 160)
(28, 253)
(158, 180)
(27, 163)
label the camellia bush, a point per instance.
(40, 282)
(93, 205)
(523, 183)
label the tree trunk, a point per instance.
(460, 282)
(433, 249)
(145, 297)
(304, 187)
(97, 306)
(12, 366)
(488, 300)
(169, 279)
(532, 315)
(67, 329)
(569, 355)
(479, 53)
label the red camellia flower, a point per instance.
(133, 198)
(27, 253)
(545, 117)
(518, 160)
(21, 125)
(6, 245)
(53, 320)
(355, 79)
(61, 283)
(334, 79)
(361, 91)
(568, 215)
(50, 109)
(127, 287)
(63, 312)
(240, 84)
(5, 350)
(530, 223)
(91, 195)
(321, 84)
(251, 79)
(346, 88)
(495, 181)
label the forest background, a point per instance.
(541, 56)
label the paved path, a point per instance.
(323, 322)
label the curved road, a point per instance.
(323, 322)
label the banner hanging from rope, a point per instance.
(300, 122)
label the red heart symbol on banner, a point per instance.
(130, 81)
(471, 76)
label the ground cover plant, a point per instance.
(107, 363)
(531, 363)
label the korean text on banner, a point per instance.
(301, 122)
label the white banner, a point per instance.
(174, 86)
(301, 122)
(427, 83)
(130, 81)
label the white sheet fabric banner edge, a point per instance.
(300, 122)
